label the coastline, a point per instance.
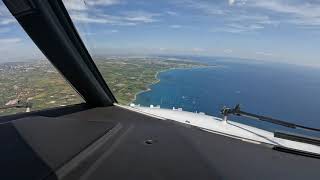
(157, 79)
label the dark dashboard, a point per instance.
(115, 143)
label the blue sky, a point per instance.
(273, 30)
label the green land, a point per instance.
(40, 84)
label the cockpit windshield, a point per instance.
(28, 82)
(202, 55)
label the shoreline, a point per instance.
(158, 80)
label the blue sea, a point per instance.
(282, 91)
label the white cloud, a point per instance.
(264, 53)
(238, 28)
(6, 21)
(144, 19)
(231, 2)
(75, 5)
(254, 18)
(246, 27)
(129, 18)
(207, 7)
(304, 9)
(294, 12)
(140, 16)
(85, 18)
(89, 12)
(88, 33)
(101, 2)
(86, 4)
(272, 13)
(237, 2)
